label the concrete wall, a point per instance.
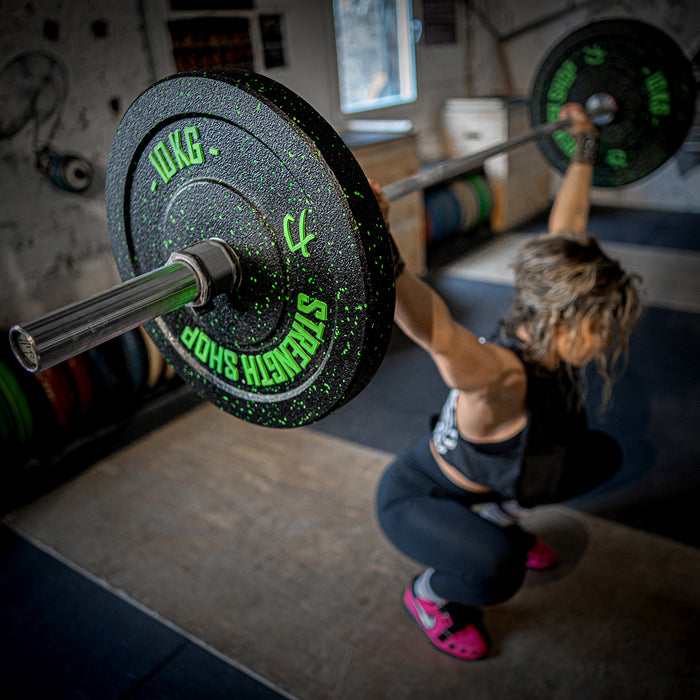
(54, 245)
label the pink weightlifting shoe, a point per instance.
(453, 629)
(541, 556)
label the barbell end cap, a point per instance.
(24, 349)
(601, 107)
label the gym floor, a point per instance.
(216, 559)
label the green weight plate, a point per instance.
(649, 77)
(40, 417)
(8, 426)
(483, 190)
(10, 414)
(17, 402)
(237, 156)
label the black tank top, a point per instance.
(529, 465)
(495, 465)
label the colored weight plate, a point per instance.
(42, 420)
(60, 393)
(8, 428)
(649, 77)
(135, 360)
(18, 404)
(455, 206)
(105, 382)
(237, 156)
(13, 419)
(469, 205)
(485, 196)
(443, 213)
(82, 383)
(128, 361)
(112, 380)
(156, 364)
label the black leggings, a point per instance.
(430, 520)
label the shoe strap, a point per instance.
(461, 616)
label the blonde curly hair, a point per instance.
(565, 278)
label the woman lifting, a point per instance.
(512, 433)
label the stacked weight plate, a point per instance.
(457, 207)
(43, 414)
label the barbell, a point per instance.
(252, 247)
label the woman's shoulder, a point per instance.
(497, 407)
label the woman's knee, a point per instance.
(496, 582)
(496, 560)
(391, 490)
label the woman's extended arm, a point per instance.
(463, 361)
(572, 203)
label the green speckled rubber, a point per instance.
(237, 156)
(648, 75)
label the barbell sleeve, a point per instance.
(193, 275)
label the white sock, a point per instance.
(422, 588)
(513, 508)
(503, 514)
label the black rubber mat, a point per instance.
(663, 229)
(65, 636)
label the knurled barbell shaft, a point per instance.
(193, 279)
(192, 276)
(78, 327)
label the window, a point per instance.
(376, 62)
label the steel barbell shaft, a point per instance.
(192, 276)
(75, 328)
(600, 107)
(456, 166)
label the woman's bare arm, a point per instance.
(572, 203)
(464, 362)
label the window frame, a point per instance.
(406, 54)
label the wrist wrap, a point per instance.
(586, 150)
